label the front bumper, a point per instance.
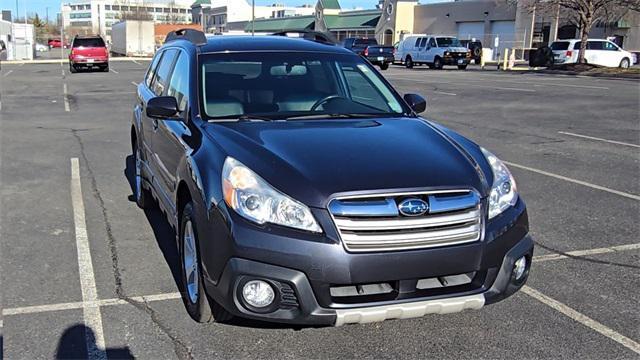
(456, 60)
(302, 271)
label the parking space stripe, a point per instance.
(579, 253)
(92, 315)
(598, 139)
(575, 181)
(66, 98)
(80, 304)
(134, 60)
(113, 70)
(583, 319)
(7, 73)
(134, 83)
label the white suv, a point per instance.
(599, 52)
(435, 51)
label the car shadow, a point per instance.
(165, 237)
(79, 342)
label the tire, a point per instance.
(625, 63)
(198, 305)
(72, 69)
(144, 198)
(462, 67)
(106, 68)
(408, 63)
(437, 63)
(384, 66)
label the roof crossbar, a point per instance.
(308, 35)
(197, 37)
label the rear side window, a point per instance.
(595, 45)
(88, 42)
(423, 42)
(163, 72)
(560, 45)
(152, 69)
(417, 44)
(179, 85)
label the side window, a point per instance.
(361, 89)
(577, 45)
(418, 42)
(423, 42)
(595, 45)
(179, 84)
(432, 43)
(152, 69)
(609, 46)
(159, 84)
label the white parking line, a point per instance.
(580, 253)
(579, 182)
(598, 139)
(113, 70)
(134, 60)
(7, 73)
(583, 319)
(92, 315)
(134, 83)
(66, 98)
(444, 93)
(80, 304)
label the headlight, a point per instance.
(503, 191)
(446, 53)
(254, 199)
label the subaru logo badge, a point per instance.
(413, 207)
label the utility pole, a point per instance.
(47, 17)
(253, 17)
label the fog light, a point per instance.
(258, 293)
(519, 267)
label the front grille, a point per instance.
(371, 223)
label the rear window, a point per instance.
(365, 42)
(560, 45)
(88, 42)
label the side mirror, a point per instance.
(162, 107)
(416, 102)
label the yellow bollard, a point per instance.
(504, 60)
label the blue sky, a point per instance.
(40, 6)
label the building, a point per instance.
(217, 16)
(97, 16)
(17, 41)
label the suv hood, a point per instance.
(314, 160)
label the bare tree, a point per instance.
(583, 13)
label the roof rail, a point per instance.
(316, 36)
(197, 37)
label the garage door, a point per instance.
(471, 30)
(505, 30)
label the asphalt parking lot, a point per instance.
(76, 250)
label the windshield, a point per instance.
(279, 85)
(448, 42)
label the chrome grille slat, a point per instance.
(406, 223)
(460, 225)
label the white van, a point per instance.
(599, 52)
(435, 51)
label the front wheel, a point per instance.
(625, 63)
(384, 66)
(198, 305)
(437, 63)
(72, 68)
(144, 199)
(106, 68)
(462, 67)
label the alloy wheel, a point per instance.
(190, 262)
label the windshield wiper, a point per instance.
(253, 117)
(337, 116)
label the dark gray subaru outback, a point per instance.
(305, 189)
